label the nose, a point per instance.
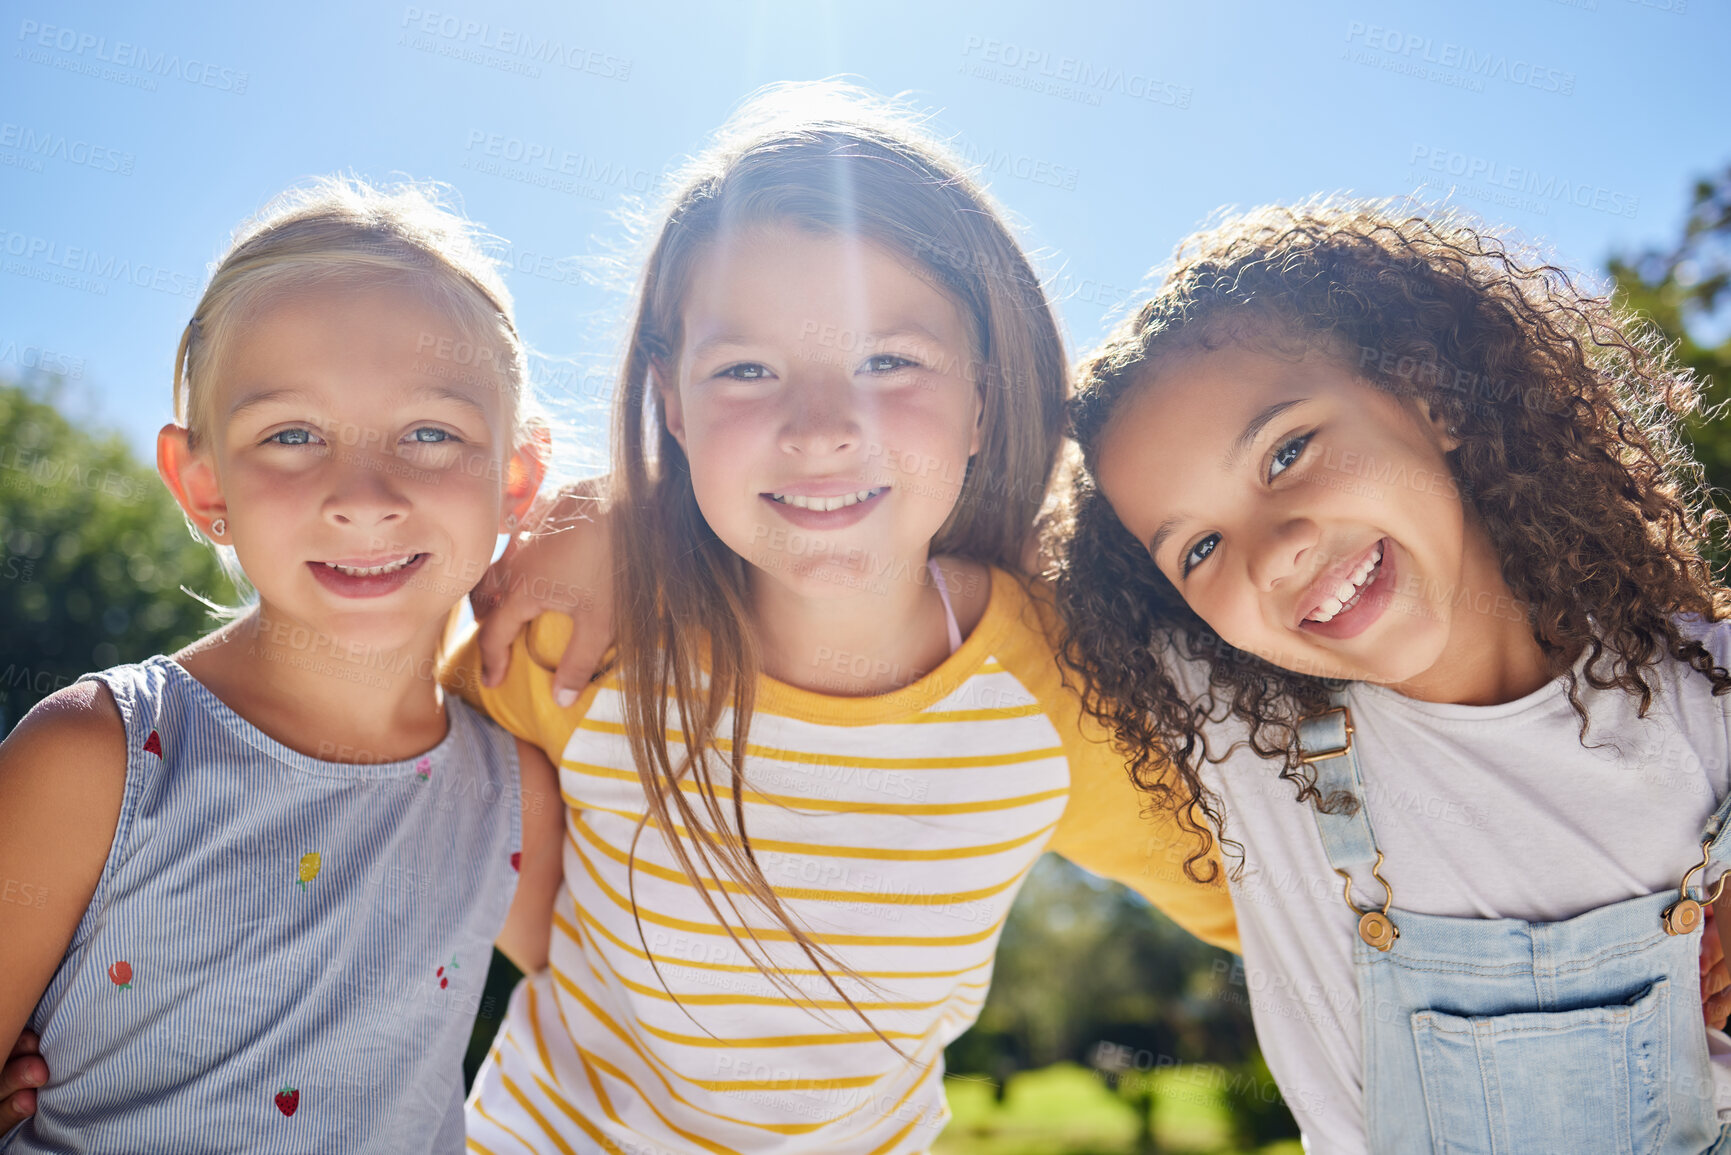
(362, 492)
(822, 417)
(1282, 551)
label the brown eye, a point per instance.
(1287, 453)
(1198, 553)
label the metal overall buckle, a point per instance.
(1374, 926)
(1684, 915)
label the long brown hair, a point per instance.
(687, 649)
(1568, 412)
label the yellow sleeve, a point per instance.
(1109, 827)
(523, 703)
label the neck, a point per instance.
(326, 696)
(869, 641)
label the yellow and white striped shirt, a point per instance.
(896, 829)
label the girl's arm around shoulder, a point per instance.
(1112, 829)
(524, 701)
(1109, 827)
(529, 923)
(62, 782)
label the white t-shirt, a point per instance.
(1482, 812)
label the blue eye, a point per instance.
(886, 363)
(291, 437)
(1286, 454)
(1198, 553)
(438, 435)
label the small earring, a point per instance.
(218, 527)
(511, 523)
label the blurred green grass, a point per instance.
(1067, 1109)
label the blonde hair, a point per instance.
(343, 232)
(860, 168)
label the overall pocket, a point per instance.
(1591, 1081)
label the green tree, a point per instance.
(1084, 962)
(94, 554)
(1684, 290)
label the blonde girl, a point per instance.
(275, 861)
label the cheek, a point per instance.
(927, 450)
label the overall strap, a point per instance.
(1325, 743)
(1716, 835)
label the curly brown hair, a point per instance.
(1568, 415)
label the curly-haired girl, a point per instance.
(1372, 503)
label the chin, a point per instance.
(833, 581)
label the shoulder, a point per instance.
(1715, 636)
(81, 721)
(65, 765)
(523, 703)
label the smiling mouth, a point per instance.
(825, 504)
(1350, 590)
(372, 570)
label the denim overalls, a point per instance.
(1579, 1037)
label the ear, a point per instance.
(672, 408)
(1445, 434)
(190, 475)
(524, 474)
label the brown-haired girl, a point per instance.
(834, 738)
(1379, 519)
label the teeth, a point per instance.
(372, 571)
(1346, 595)
(825, 504)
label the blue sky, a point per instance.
(134, 138)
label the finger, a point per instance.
(18, 1079)
(497, 631)
(582, 657)
(28, 1044)
(16, 1108)
(1716, 1010)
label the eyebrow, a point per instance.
(447, 393)
(268, 397)
(863, 339)
(419, 393)
(1252, 429)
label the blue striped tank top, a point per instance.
(282, 954)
